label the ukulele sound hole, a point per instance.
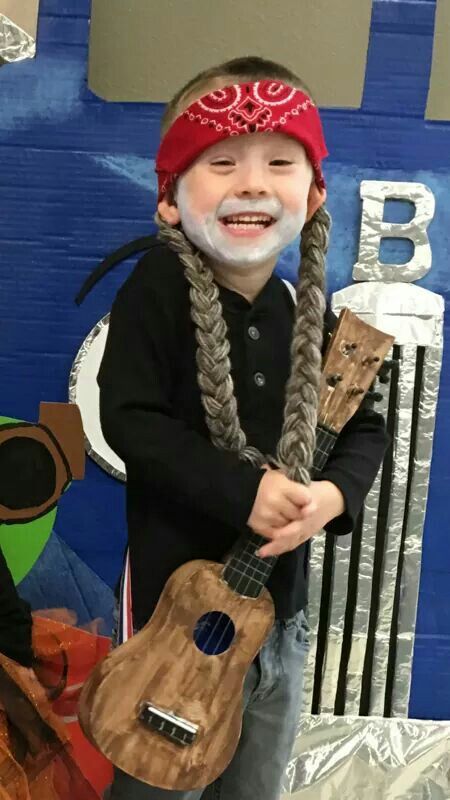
(214, 633)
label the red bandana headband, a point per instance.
(269, 106)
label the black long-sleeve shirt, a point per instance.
(15, 620)
(186, 499)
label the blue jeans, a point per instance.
(272, 702)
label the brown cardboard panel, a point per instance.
(64, 421)
(23, 13)
(144, 50)
(46, 457)
(439, 95)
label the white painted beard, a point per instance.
(211, 238)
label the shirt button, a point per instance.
(253, 333)
(259, 379)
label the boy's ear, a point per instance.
(168, 210)
(316, 199)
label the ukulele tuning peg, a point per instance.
(355, 390)
(367, 362)
(385, 369)
(349, 347)
(374, 397)
(333, 380)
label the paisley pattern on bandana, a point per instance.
(273, 93)
(263, 106)
(220, 100)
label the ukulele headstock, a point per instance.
(354, 355)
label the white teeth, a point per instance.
(246, 226)
(247, 220)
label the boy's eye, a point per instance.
(277, 162)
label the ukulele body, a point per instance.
(163, 666)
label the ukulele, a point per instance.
(166, 706)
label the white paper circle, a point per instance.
(84, 391)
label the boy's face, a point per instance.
(246, 198)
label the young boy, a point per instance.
(210, 369)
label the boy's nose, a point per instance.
(252, 191)
(251, 183)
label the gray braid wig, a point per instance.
(296, 446)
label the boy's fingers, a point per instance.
(291, 529)
(298, 494)
(280, 541)
(290, 510)
(266, 552)
(286, 527)
(274, 548)
(297, 516)
(308, 510)
(279, 519)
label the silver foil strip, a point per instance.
(338, 604)
(315, 575)
(347, 758)
(414, 316)
(83, 391)
(410, 313)
(361, 617)
(412, 554)
(335, 634)
(15, 43)
(394, 528)
(374, 195)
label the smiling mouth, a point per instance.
(252, 222)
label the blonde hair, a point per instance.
(296, 446)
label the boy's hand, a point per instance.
(327, 502)
(278, 502)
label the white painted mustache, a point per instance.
(270, 206)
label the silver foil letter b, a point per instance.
(374, 195)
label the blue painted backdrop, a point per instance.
(76, 182)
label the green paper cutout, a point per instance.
(22, 544)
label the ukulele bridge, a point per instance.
(177, 729)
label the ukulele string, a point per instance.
(211, 635)
(248, 550)
(222, 615)
(230, 622)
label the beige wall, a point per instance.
(144, 50)
(24, 14)
(439, 95)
